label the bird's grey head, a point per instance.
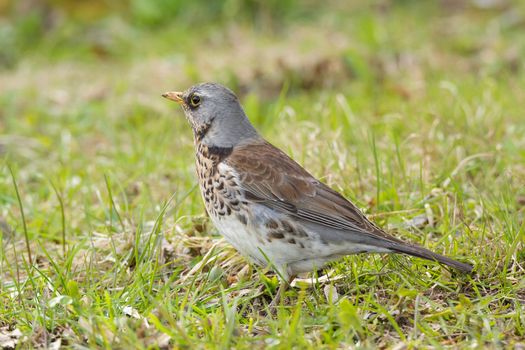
(215, 115)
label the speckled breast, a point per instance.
(220, 191)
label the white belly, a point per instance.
(243, 237)
(251, 240)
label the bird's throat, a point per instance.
(199, 131)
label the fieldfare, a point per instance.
(265, 204)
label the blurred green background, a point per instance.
(109, 29)
(341, 39)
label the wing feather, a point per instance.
(275, 180)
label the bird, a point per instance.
(272, 210)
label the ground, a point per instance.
(412, 110)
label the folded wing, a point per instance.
(273, 179)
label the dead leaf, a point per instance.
(330, 292)
(9, 339)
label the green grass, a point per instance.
(413, 111)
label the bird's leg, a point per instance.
(283, 287)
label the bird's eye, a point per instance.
(195, 100)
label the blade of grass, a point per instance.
(63, 217)
(26, 235)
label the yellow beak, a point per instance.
(174, 96)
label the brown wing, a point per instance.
(269, 176)
(272, 178)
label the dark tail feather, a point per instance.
(421, 252)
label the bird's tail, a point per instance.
(421, 252)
